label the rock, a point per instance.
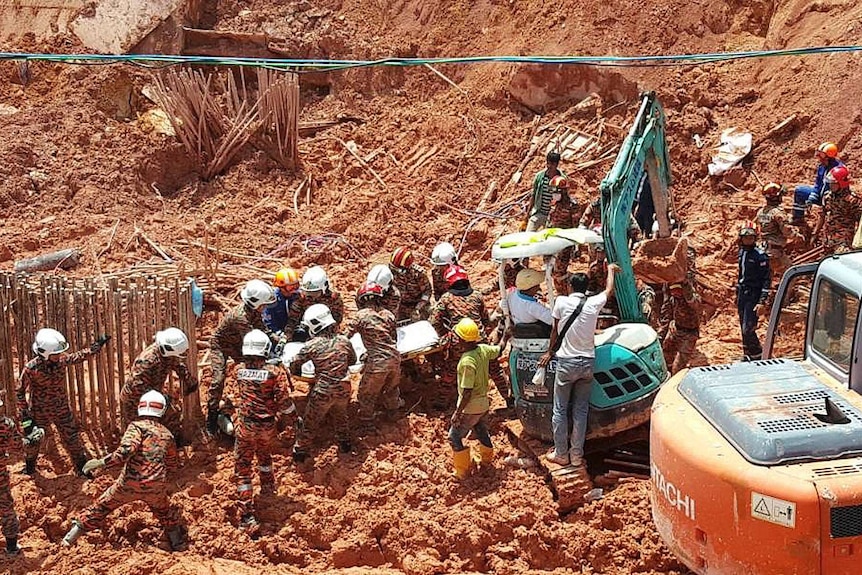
(5, 253)
(478, 234)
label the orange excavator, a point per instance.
(757, 466)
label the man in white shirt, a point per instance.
(522, 302)
(575, 359)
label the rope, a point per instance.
(311, 65)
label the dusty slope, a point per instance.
(70, 170)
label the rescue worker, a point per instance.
(150, 371)
(460, 301)
(564, 214)
(841, 211)
(314, 289)
(752, 288)
(412, 281)
(523, 306)
(382, 372)
(539, 205)
(592, 215)
(381, 275)
(286, 283)
(806, 196)
(43, 379)
(261, 401)
(331, 355)
(11, 442)
(442, 256)
(146, 452)
(226, 341)
(471, 411)
(683, 310)
(774, 229)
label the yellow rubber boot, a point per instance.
(486, 455)
(462, 463)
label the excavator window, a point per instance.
(834, 324)
(792, 314)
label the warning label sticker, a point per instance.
(774, 510)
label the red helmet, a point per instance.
(839, 175)
(454, 273)
(748, 228)
(828, 149)
(401, 258)
(772, 190)
(559, 182)
(369, 290)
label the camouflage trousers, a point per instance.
(379, 385)
(254, 438)
(322, 401)
(561, 270)
(67, 428)
(122, 492)
(172, 419)
(8, 517)
(679, 345)
(779, 262)
(218, 364)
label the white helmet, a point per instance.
(152, 403)
(317, 318)
(256, 343)
(380, 275)
(314, 279)
(172, 342)
(49, 341)
(257, 293)
(443, 254)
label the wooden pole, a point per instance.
(101, 367)
(118, 330)
(76, 319)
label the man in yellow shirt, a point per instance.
(471, 412)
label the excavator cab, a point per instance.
(757, 466)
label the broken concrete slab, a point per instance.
(117, 26)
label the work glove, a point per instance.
(92, 466)
(191, 386)
(35, 435)
(27, 425)
(100, 342)
(764, 295)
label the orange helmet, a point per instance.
(772, 190)
(454, 273)
(287, 278)
(559, 182)
(828, 149)
(748, 228)
(401, 258)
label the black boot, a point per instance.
(30, 467)
(78, 463)
(344, 446)
(12, 546)
(299, 456)
(177, 538)
(212, 422)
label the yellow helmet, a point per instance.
(467, 330)
(287, 278)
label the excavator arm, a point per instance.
(644, 149)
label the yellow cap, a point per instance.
(467, 330)
(528, 278)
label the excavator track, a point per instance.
(570, 484)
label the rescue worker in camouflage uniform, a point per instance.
(775, 230)
(286, 283)
(682, 306)
(146, 452)
(412, 281)
(841, 211)
(382, 276)
(314, 289)
(331, 355)
(382, 372)
(11, 442)
(44, 380)
(226, 341)
(150, 371)
(752, 288)
(261, 401)
(564, 214)
(592, 215)
(460, 301)
(442, 256)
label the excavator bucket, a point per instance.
(661, 260)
